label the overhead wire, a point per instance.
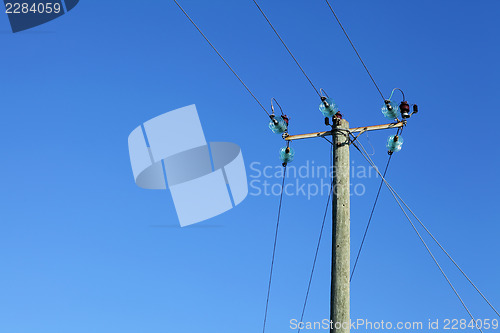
(391, 189)
(284, 170)
(446, 253)
(371, 214)
(444, 250)
(274, 249)
(286, 47)
(369, 220)
(449, 256)
(224, 60)
(319, 242)
(393, 192)
(355, 50)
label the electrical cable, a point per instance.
(370, 219)
(319, 241)
(447, 254)
(286, 47)
(373, 148)
(393, 90)
(355, 50)
(274, 248)
(227, 64)
(391, 189)
(366, 157)
(272, 106)
(373, 209)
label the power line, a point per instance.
(447, 254)
(319, 242)
(393, 192)
(355, 50)
(286, 47)
(391, 189)
(370, 219)
(373, 209)
(227, 64)
(274, 249)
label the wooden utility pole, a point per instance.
(341, 229)
(341, 235)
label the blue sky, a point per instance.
(83, 249)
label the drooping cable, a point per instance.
(224, 60)
(274, 249)
(402, 93)
(369, 219)
(272, 106)
(391, 189)
(373, 148)
(286, 47)
(355, 50)
(319, 242)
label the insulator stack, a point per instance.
(394, 143)
(390, 110)
(405, 109)
(328, 107)
(286, 155)
(278, 125)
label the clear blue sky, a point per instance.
(83, 249)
